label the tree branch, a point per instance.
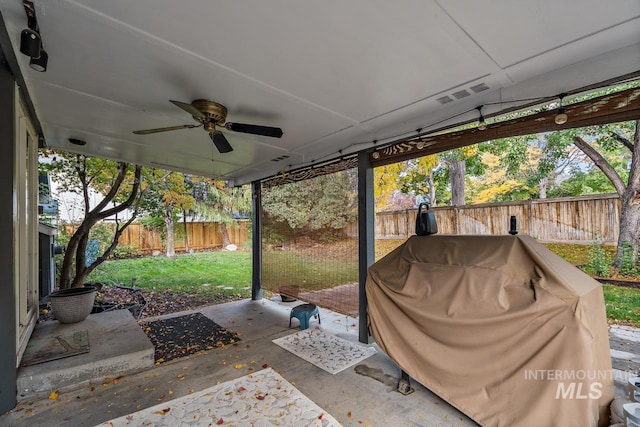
(602, 164)
(82, 174)
(622, 140)
(114, 243)
(132, 197)
(122, 173)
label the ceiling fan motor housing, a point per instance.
(214, 112)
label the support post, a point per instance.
(366, 237)
(256, 240)
(9, 329)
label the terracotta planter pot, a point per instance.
(72, 305)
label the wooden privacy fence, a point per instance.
(582, 219)
(201, 235)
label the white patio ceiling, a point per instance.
(334, 75)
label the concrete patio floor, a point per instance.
(351, 398)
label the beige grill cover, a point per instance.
(498, 326)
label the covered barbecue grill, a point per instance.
(500, 327)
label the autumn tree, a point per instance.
(118, 183)
(387, 189)
(218, 202)
(327, 202)
(442, 176)
(166, 197)
(615, 150)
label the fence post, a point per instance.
(456, 221)
(529, 217)
(407, 221)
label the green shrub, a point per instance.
(598, 264)
(271, 237)
(628, 266)
(125, 251)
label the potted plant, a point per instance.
(72, 305)
(120, 185)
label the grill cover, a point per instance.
(498, 326)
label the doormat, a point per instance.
(263, 398)
(185, 335)
(326, 351)
(47, 348)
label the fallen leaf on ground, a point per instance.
(162, 411)
(54, 395)
(220, 422)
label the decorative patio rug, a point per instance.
(185, 335)
(46, 348)
(324, 350)
(260, 399)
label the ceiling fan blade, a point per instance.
(148, 131)
(188, 108)
(220, 142)
(255, 129)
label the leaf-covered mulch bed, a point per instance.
(158, 302)
(184, 335)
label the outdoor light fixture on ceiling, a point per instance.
(481, 123)
(31, 40)
(561, 117)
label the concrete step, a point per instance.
(118, 346)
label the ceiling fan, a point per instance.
(210, 114)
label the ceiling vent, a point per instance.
(277, 159)
(444, 100)
(479, 88)
(461, 94)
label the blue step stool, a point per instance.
(303, 313)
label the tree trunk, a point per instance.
(457, 171)
(170, 244)
(186, 233)
(225, 235)
(73, 271)
(432, 190)
(630, 200)
(629, 227)
(544, 182)
(629, 194)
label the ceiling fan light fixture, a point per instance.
(210, 115)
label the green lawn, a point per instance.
(199, 273)
(623, 304)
